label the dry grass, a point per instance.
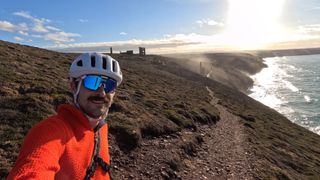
(157, 98)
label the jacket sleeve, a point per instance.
(40, 153)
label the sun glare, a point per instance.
(253, 24)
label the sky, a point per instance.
(162, 26)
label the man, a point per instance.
(74, 143)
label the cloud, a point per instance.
(23, 14)
(53, 28)
(316, 8)
(22, 27)
(38, 23)
(123, 33)
(182, 43)
(58, 37)
(309, 29)
(37, 36)
(162, 45)
(61, 37)
(18, 38)
(209, 22)
(23, 33)
(190, 1)
(7, 26)
(39, 28)
(28, 16)
(83, 20)
(304, 33)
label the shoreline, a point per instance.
(291, 89)
(164, 122)
(223, 61)
(231, 69)
(286, 52)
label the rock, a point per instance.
(165, 175)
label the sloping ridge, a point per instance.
(166, 122)
(281, 149)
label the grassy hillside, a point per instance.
(159, 104)
(230, 69)
(34, 82)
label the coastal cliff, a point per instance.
(167, 121)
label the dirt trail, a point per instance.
(215, 151)
(222, 153)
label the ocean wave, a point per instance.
(307, 98)
(316, 129)
(292, 67)
(290, 86)
(286, 111)
(262, 95)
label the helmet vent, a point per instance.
(93, 61)
(114, 68)
(79, 63)
(104, 62)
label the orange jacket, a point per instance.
(61, 147)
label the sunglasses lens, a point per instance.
(110, 85)
(92, 82)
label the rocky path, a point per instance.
(222, 154)
(217, 151)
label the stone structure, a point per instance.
(142, 51)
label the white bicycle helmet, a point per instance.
(96, 63)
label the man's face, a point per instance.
(94, 103)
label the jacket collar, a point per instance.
(74, 116)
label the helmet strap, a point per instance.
(75, 95)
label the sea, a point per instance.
(291, 85)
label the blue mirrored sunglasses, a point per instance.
(93, 82)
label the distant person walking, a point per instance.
(74, 143)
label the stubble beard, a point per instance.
(95, 112)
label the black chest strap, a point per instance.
(96, 159)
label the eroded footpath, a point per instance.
(214, 151)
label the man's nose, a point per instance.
(101, 91)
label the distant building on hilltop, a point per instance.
(142, 51)
(127, 52)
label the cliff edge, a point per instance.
(167, 122)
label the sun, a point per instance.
(252, 24)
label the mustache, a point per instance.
(97, 98)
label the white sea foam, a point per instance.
(316, 129)
(290, 86)
(265, 82)
(287, 111)
(291, 67)
(267, 99)
(307, 98)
